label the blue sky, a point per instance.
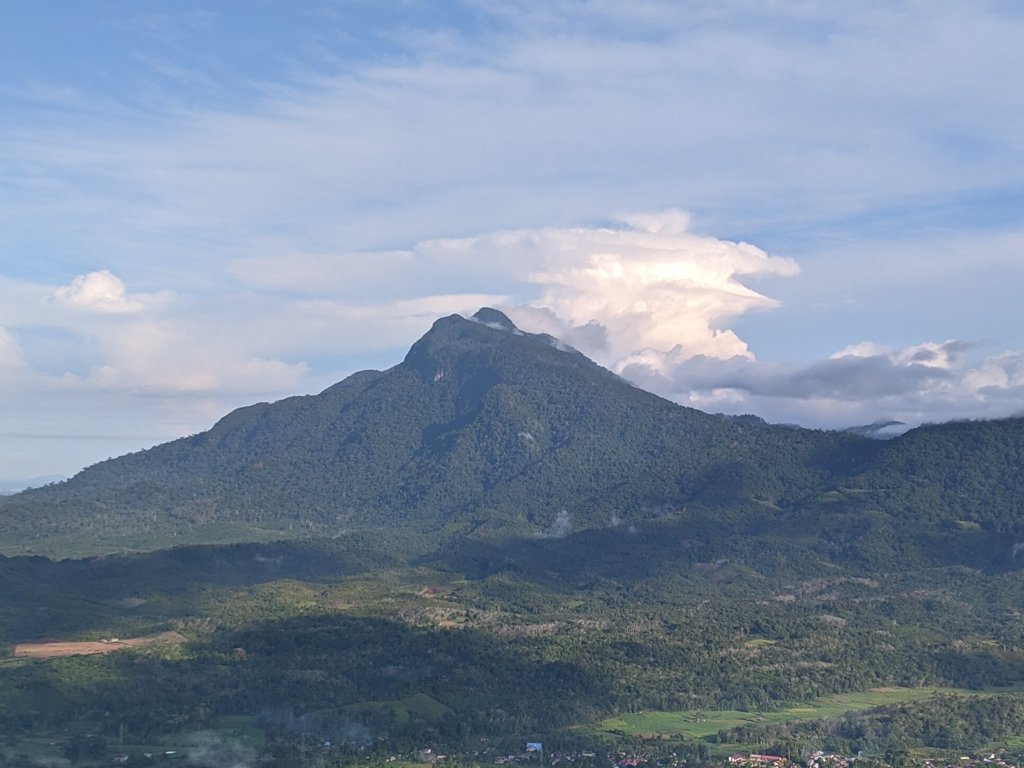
(799, 209)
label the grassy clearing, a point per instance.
(701, 724)
(418, 705)
(242, 728)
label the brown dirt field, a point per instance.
(53, 649)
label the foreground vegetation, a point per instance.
(581, 642)
(700, 724)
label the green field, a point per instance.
(401, 711)
(701, 724)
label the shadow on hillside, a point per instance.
(716, 548)
(742, 547)
(331, 677)
(45, 597)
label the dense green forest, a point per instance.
(478, 430)
(331, 641)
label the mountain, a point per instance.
(13, 486)
(481, 426)
(497, 541)
(486, 431)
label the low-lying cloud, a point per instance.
(560, 527)
(926, 382)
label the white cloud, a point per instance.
(173, 356)
(798, 113)
(643, 284)
(100, 291)
(860, 384)
(281, 212)
(946, 355)
(658, 303)
(10, 352)
(141, 344)
(648, 286)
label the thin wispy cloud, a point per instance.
(837, 114)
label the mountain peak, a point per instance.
(495, 319)
(487, 428)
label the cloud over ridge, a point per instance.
(647, 285)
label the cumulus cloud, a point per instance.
(153, 343)
(643, 284)
(644, 296)
(167, 358)
(100, 291)
(646, 286)
(860, 384)
(659, 304)
(142, 344)
(655, 290)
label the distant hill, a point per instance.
(488, 432)
(8, 487)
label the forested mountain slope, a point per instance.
(486, 431)
(480, 426)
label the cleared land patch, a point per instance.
(51, 650)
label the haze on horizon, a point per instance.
(798, 210)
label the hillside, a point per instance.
(481, 428)
(487, 434)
